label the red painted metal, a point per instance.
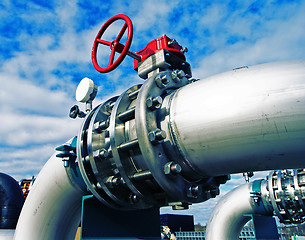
(152, 47)
(115, 45)
(156, 45)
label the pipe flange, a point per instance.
(84, 162)
(125, 148)
(100, 155)
(151, 137)
(286, 195)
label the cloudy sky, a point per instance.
(45, 49)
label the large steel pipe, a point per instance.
(248, 119)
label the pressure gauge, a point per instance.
(86, 90)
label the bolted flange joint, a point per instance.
(156, 136)
(153, 103)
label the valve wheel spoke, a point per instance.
(103, 42)
(119, 37)
(111, 57)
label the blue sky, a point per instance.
(45, 49)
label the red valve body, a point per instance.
(156, 45)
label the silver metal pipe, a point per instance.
(228, 217)
(248, 119)
(52, 209)
(282, 195)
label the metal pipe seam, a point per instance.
(52, 209)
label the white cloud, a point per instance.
(24, 129)
(24, 162)
(275, 39)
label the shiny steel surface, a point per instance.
(282, 195)
(227, 218)
(287, 195)
(53, 207)
(248, 119)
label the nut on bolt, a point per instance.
(194, 191)
(177, 75)
(154, 103)
(113, 181)
(156, 136)
(102, 154)
(133, 198)
(162, 81)
(214, 192)
(172, 168)
(100, 126)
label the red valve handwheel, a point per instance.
(115, 45)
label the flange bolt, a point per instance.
(177, 75)
(133, 198)
(102, 154)
(154, 103)
(156, 136)
(161, 81)
(172, 168)
(113, 181)
(194, 191)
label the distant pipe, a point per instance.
(229, 215)
(52, 209)
(282, 195)
(234, 210)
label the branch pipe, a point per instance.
(52, 209)
(282, 195)
(230, 214)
